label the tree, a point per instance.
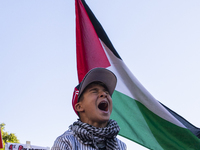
(6, 137)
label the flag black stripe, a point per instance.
(191, 127)
(99, 30)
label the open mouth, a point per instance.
(103, 106)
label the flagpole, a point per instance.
(28, 145)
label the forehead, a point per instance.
(94, 84)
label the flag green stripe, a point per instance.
(137, 119)
(131, 121)
(169, 136)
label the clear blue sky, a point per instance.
(158, 40)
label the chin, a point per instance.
(105, 119)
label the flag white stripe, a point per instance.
(131, 87)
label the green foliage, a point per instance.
(7, 138)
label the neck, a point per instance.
(95, 124)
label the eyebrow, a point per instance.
(93, 89)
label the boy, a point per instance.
(92, 102)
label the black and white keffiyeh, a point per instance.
(91, 135)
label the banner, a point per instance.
(18, 146)
(1, 141)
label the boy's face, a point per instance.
(96, 105)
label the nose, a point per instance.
(103, 94)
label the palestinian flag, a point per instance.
(140, 116)
(1, 141)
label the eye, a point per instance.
(93, 91)
(106, 92)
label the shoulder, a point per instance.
(68, 141)
(64, 141)
(122, 145)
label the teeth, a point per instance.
(103, 106)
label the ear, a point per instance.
(78, 107)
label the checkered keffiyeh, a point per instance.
(91, 135)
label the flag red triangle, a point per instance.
(90, 53)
